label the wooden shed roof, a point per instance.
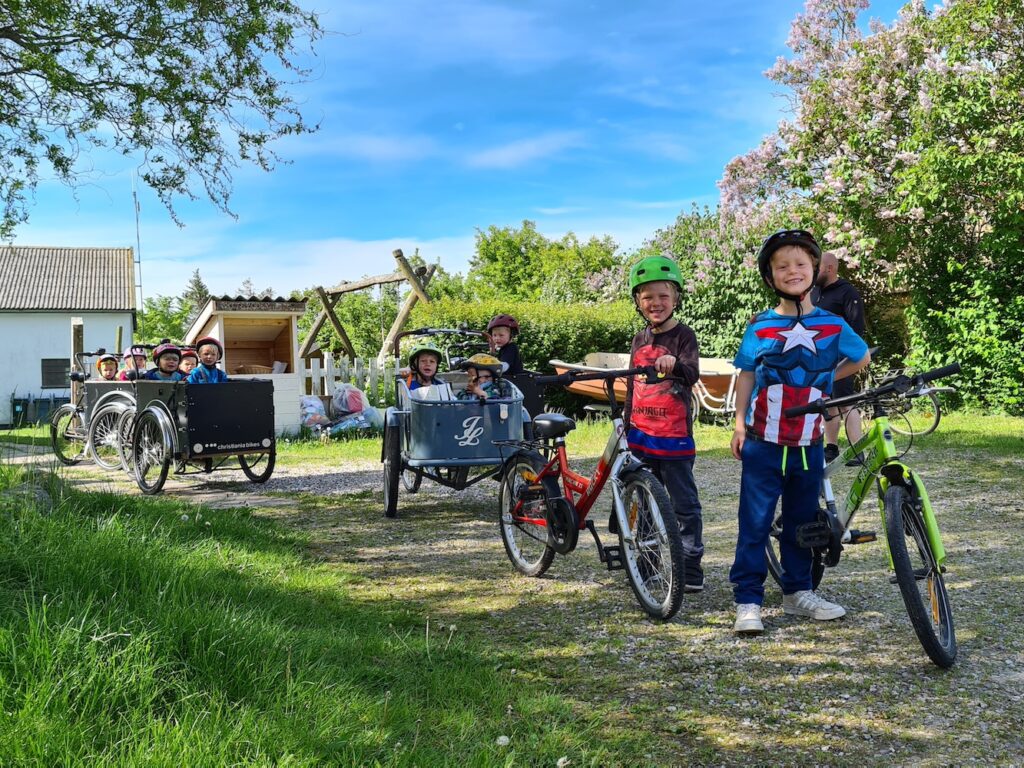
(67, 279)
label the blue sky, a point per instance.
(442, 117)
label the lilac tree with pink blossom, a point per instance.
(905, 150)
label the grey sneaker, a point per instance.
(748, 619)
(806, 603)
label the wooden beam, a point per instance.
(77, 347)
(369, 282)
(310, 340)
(403, 315)
(335, 323)
(414, 282)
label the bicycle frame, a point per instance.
(582, 492)
(881, 465)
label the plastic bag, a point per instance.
(312, 411)
(347, 399)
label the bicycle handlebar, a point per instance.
(564, 379)
(900, 386)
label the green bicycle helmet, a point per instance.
(652, 269)
(419, 349)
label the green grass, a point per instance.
(139, 631)
(33, 435)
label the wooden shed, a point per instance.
(261, 340)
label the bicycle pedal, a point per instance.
(612, 557)
(920, 574)
(862, 537)
(811, 535)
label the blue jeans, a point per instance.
(677, 477)
(771, 471)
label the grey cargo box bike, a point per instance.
(443, 439)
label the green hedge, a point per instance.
(566, 332)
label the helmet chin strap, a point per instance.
(797, 299)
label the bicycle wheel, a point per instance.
(104, 438)
(67, 434)
(523, 514)
(411, 480)
(125, 430)
(151, 453)
(921, 416)
(773, 557)
(654, 560)
(919, 577)
(258, 467)
(392, 470)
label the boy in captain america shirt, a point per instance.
(789, 356)
(657, 416)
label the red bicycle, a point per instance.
(544, 504)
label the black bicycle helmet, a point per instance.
(798, 237)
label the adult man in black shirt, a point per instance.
(835, 295)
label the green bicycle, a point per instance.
(916, 554)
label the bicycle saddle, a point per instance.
(552, 425)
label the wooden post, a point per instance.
(410, 275)
(77, 347)
(338, 329)
(403, 315)
(118, 340)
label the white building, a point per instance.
(41, 290)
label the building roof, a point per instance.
(67, 279)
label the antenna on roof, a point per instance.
(138, 254)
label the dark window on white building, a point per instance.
(55, 372)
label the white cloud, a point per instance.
(524, 151)
(559, 211)
(300, 264)
(374, 148)
(664, 146)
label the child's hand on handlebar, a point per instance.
(664, 364)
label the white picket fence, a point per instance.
(374, 377)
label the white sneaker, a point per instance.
(806, 603)
(748, 619)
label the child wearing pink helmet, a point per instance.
(166, 356)
(134, 359)
(210, 352)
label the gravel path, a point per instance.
(858, 691)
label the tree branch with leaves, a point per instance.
(192, 88)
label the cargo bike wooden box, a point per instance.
(199, 428)
(448, 441)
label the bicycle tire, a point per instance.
(921, 417)
(654, 563)
(392, 470)
(67, 429)
(929, 609)
(773, 557)
(250, 464)
(125, 430)
(411, 479)
(526, 540)
(104, 438)
(150, 451)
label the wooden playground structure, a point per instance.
(417, 278)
